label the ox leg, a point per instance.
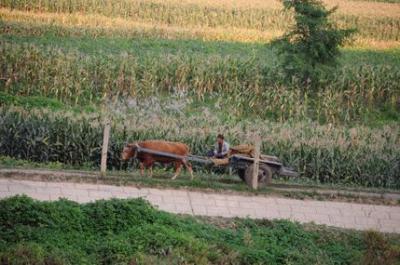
(141, 165)
(178, 166)
(149, 165)
(189, 168)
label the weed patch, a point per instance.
(133, 232)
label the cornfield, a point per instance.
(268, 18)
(81, 52)
(359, 155)
(247, 85)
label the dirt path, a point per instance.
(337, 214)
(342, 192)
(90, 176)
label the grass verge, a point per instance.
(133, 232)
(204, 182)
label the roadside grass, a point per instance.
(133, 232)
(9, 162)
(206, 181)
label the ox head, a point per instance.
(129, 151)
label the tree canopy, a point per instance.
(312, 43)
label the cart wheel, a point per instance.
(241, 172)
(264, 175)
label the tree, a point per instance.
(312, 44)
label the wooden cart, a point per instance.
(268, 165)
(243, 165)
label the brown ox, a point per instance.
(147, 160)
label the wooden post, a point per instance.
(104, 150)
(257, 146)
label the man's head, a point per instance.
(220, 138)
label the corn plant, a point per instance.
(248, 85)
(267, 18)
(326, 154)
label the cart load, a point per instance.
(241, 159)
(245, 150)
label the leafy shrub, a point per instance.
(113, 214)
(379, 250)
(140, 234)
(29, 253)
(313, 42)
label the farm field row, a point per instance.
(197, 11)
(213, 66)
(373, 32)
(355, 155)
(356, 7)
(81, 70)
(143, 66)
(79, 58)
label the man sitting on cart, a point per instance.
(221, 149)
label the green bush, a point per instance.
(312, 44)
(379, 251)
(29, 253)
(64, 232)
